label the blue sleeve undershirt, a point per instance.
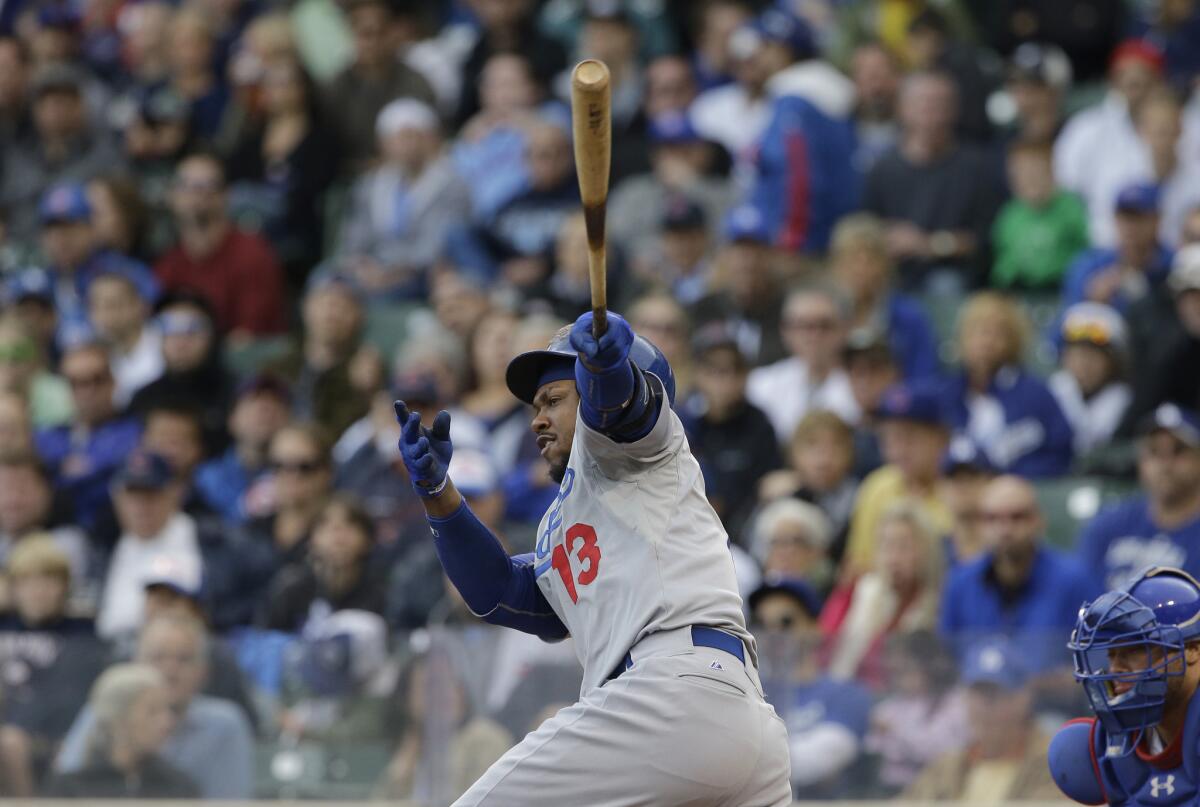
(502, 590)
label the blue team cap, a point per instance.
(793, 587)
(746, 223)
(783, 27)
(30, 284)
(910, 402)
(67, 202)
(1139, 198)
(144, 470)
(672, 127)
(1184, 424)
(994, 661)
(177, 574)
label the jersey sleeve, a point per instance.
(617, 459)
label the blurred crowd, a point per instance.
(927, 272)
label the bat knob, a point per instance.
(590, 75)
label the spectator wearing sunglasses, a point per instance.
(1160, 525)
(1019, 587)
(1089, 385)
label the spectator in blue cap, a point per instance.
(1009, 412)
(745, 292)
(75, 256)
(63, 146)
(965, 472)
(30, 295)
(1006, 748)
(827, 719)
(120, 317)
(1018, 586)
(1129, 271)
(681, 164)
(683, 256)
(914, 433)
(83, 456)
(1161, 524)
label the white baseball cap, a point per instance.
(405, 113)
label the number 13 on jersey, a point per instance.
(588, 557)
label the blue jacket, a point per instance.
(1089, 264)
(1037, 438)
(805, 177)
(911, 338)
(83, 468)
(71, 288)
(1123, 538)
(222, 482)
(1039, 618)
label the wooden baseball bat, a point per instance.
(591, 117)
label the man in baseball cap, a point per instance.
(1090, 386)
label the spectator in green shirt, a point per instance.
(1041, 228)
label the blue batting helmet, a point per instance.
(1154, 616)
(526, 371)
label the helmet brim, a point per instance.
(525, 370)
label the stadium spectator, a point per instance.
(301, 479)
(83, 455)
(473, 742)
(175, 433)
(1006, 410)
(120, 318)
(23, 372)
(283, 165)
(611, 34)
(670, 85)
(336, 575)
(236, 271)
(813, 328)
(193, 375)
(1159, 525)
(507, 27)
(965, 473)
(1018, 587)
(937, 226)
(192, 71)
(876, 75)
(681, 165)
(826, 717)
(492, 346)
(318, 368)
(352, 100)
(209, 739)
(63, 146)
(1165, 162)
(791, 538)
(913, 435)
(119, 215)
(1090, 387)
(1104, 135)
(26, 509)
(872, 370)
(1041, 229)
(30, 294)
(899, 594)
(14, 91)
(1126, 273)
(456, 301)
(933, 46)
(1039, 76)
(662, 319)
(680, 259)
(47, 659)
(1005, 757)
(732, 438)
(923, 716)
(16, 425)
(74, 256)
(147, 497)
(820, 458)
(863, 270)
(400, 213)
(131, 726)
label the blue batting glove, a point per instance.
(607, 353)
(426, 452)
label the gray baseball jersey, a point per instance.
(631, 547)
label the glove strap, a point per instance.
(429, 493)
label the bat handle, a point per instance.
(599, 321)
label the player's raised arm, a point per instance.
(499, 589)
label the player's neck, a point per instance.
(1175, 714)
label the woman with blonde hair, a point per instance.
(1008, 412)
(133, 720)
(898, 595)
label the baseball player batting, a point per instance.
(632, 562)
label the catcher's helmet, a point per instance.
(526, 370)
(1158, 611)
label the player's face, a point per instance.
(554, 409)
(1131, 659)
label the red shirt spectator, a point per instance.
(237, 271)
